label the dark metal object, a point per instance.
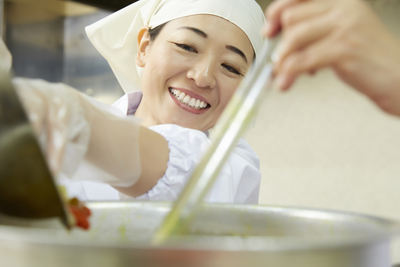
(107, 4)
(27, 188)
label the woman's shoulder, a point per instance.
(244, 149)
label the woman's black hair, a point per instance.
(155, 31)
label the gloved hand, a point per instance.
(81, 137)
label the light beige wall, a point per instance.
(323, 145)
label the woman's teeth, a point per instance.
(187, 100)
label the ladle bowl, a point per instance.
(27, 188)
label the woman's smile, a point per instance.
(189, 101)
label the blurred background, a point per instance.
(321, 144)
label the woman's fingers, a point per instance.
(302, 11)
(273, 15)
(301, 36)
(319, 55)
(344, 35)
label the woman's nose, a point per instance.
(203, 73)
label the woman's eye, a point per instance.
(231, 69)
(186, 47)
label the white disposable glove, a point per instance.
(81, 137)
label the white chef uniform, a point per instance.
(238, 182)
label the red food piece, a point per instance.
(80, 212)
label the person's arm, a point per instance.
(92, 141)
(154, 154)
(345, 35)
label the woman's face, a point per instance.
(191, 71)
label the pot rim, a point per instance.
(387, 229)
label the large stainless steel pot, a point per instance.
(222, 235)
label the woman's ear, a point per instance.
(143, 43)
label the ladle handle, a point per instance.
(232, 124)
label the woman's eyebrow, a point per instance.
(237, 51)
(204, 35)
(199, 32)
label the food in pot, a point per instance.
(80, 213)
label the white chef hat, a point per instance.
(115, 36)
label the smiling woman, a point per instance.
(179, 63)
(199, 63)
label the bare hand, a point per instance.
(344, 35)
